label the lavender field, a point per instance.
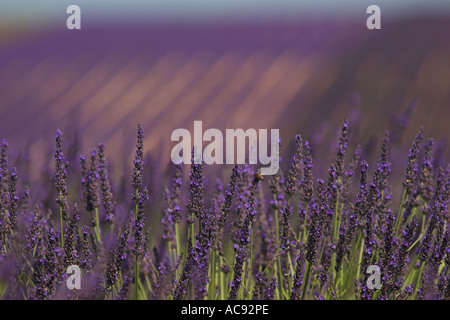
(292, 235)
(357, 211)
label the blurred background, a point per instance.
(301, 66)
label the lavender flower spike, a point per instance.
(61, 177)
(412, 167)
(291, 183)
(138, 164)
(195, 204)
(105, 186)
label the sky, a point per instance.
(37, 13)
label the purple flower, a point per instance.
(186, 272)
(108, 202)
(244, 240)
(115, 261)
(315, 231)
(342, 148)
(139, 224)
(175, 192)
(89, 182)
(50, 263)
(195, 204)
(4, 187)
(425, 188)
(294, 170)
(346, 235)
(259, 286)
(361, 196)
(384, 166)
(269, 292)
(125, 288)
(308, 184)
(70, 236)
(324, 276)
(412, 167)
(406, 242)
(276, 187)
(61, 177)
(387, 255)
(286, 214)
(349, 174)
(161, 282)
(203, 244)
(13, 209)
(226, 206)
(168, 220)
(296, 293)
(34, 232)
(86, 253)
(138, 164)
(266, 229)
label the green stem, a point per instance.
(97, 225)
(335, 224)
(349, 271)
(303, 239)
(241, 288)
(178, 249)
(280, 273)
(306, 278)
(422, 230)
(177, 236)
(358, 266)
(399, 214)
(189, 226)
(223, 285)
(212, 284)
(136, 277)
(250, 262)
(61, 222)
(291, 266)
(419, 278)
(193, 236)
